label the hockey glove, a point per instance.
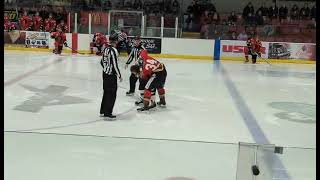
(65, 44)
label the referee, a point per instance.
(109, 63)
(134, 55)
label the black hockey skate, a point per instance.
(162, 102)
(138, 102)
(129, 93)
(144, 108)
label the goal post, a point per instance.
(131, 21)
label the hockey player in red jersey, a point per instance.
(50, 24)
(8, 26)
(25, 22)
(60, 40)
(99, 41)
(63, 26)
(37, 22)
(155, 73)
(253, 48)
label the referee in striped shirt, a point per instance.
(109, 63)
(134, 55)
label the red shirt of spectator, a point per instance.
(63, 26)
(50, 24)
(37, 22)
(25, 22)
(7, 24)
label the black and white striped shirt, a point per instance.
(134, 55)
(109, 61)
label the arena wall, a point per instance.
(201, 49)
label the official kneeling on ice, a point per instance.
(109, 63)
(155, 73)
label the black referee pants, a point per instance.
(109, 93)
(133, 80)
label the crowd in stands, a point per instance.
(34, 19)
(200, 16)
(203, 17)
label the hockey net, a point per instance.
(130, 21)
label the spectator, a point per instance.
(263, 9)
(273, 11)
(233, 35)
(196, 9)
(146, 6)
(248, 9)
(243, 36)
(250, 20)
(137, 4)
(232, 19)
(294, 13)
(107, 5)
(259, 18)
(313, 12)
(304, 12)
(283, 12)
(44, 14)
(215, 18)
(175, 7)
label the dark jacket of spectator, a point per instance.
(215, 18)
(250, 20)
(137, 4)
(175, 7)
(44, 13)
(294, 13)
(232, 19)
(264, 10)
(248, 9)
(273, 12)
(259, 18)
(283, 12)
(305, 11)
(313, 12)
(194, 9)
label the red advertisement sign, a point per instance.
(238, 49)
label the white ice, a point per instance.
(199, 129)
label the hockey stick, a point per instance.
(263, 59)
(75, 50)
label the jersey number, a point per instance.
(151, 64)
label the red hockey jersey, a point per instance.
(25, 23)
(149, 65)
(37, 23)
(59, 38)
(50, 25)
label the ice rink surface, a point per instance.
(53, 129)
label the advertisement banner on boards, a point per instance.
(153, 45)
(283, 50)
(232, 48)
(37, 39)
